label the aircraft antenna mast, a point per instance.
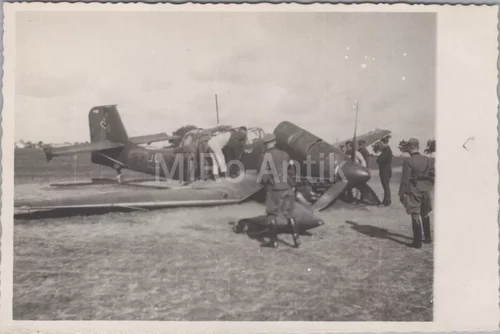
(217, 109)
(356, 122)
(354, 144)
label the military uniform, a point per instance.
(279, 193)
(366, 155)
(384, 161)
(280, 196)
(234, 148)
(415, 192)
(236, 144)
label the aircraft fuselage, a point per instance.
(165, 163)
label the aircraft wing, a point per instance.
(198, 194)
(152, 138)
(51, 152)
(370, 137)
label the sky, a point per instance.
(163, 69)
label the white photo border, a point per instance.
(466, 277)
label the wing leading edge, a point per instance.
(369, 138)
(148, 139)
(199, 194)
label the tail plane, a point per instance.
(106, 132)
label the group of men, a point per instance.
(415, 190)
(384, 161)
(233, 141)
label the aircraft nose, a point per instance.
(355, 173)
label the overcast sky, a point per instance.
(163, 69)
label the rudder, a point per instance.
(105, 123)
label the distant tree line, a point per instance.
(404, 148)
(40, 144)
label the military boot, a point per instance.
(295, 232)
(426, 224)
(273, 236)
(417, 232)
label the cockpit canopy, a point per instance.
(194, 136)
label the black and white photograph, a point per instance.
(225, 165)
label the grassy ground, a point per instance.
(186, 264)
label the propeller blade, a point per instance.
(330, 196)
(369, 196)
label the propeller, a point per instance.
(330, 195)
(347, 174)
(368, 195)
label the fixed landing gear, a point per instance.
(119, 175)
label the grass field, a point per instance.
(187, 264)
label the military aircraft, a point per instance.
(111, 146)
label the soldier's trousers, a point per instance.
(421, 226)
(280, 202)
(385, 179)
(419, 206)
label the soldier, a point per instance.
(280, 196)
(358, 157)
(415, 194)
(236, 146)
(364, 152)
(232, 141)
(384, 161)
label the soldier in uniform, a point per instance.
(415, 192)
(384, 161)
(280, 195)
(235, 147)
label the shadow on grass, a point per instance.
(380, 233)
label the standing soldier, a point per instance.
(280, 196)
(364, 152)
(384, 161)
(415, 190)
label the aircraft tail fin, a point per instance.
(106, 125)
